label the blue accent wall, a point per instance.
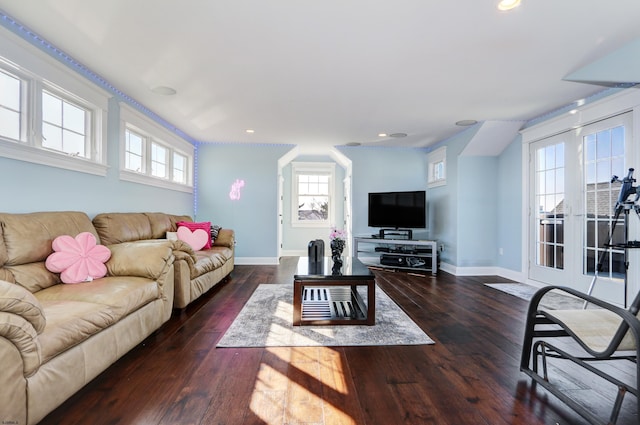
(254, 216)
(443, 200)
(509, 206)
(477, 211)
(378, 169)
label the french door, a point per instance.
(574, 211)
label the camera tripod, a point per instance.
(623, 205)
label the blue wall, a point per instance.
(381, 169)
(443, 205)
(254, 216)
(477, 211)
(509, 203)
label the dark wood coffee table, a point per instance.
(321, 297)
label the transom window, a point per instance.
(64, 125)
(10, 108)
(154, 156)
(158, 161)
(179, 168)
(312, 194)
(437, 167)
(43, 122)
(133, 151)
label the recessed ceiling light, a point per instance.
(398, 135)
(164, 90)
(508, 4)
(466, 123)
(382, 134)
(353, 144)
(250, 131)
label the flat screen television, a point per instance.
(398, 210)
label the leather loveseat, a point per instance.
(56, 337)
(195, 271)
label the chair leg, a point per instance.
(617, 405)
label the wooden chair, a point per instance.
(588, 337)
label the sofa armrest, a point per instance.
(21, 320)
(23, 336)
(14, 299)
(226, 237)
(150, 259)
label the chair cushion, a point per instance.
(595, 328)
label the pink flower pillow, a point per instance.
(78, 259)
(205, 225)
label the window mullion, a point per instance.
(35, 115)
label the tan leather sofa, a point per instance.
(195, 271)
(55, 337)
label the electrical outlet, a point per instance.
(500, 251)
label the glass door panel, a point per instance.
(605, 147)
(548, 211)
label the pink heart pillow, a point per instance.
(78, 259)
(196, 239)
(204, 225)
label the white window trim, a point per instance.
(143, 125)
(435, 157)
(37, 70)
(312, 167)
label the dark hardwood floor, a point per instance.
(470, 376)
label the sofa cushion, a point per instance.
(122, 227)
(71, 322)
(122, 295)
(27, 240)
(161, 223)
(208, 260)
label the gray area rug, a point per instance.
(266, 321)
(551, 300)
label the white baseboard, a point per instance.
(482, 271)
(256, 261)
(294, 253)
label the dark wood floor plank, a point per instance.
(470, 376)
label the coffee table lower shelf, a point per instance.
(324, 302)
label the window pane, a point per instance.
(158, 161)
(313, 208)
(133, 162)
(133, 151)
(51, 109)
(179, 168)
(51, 136)
(10, 106)
(73, 143)
(134, 143)
(9, 124)
(73, 118)
(63, 126)
(10, 91)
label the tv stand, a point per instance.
(398, 254)
(396, 234)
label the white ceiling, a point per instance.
(332, 72)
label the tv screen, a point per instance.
(398, 209)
